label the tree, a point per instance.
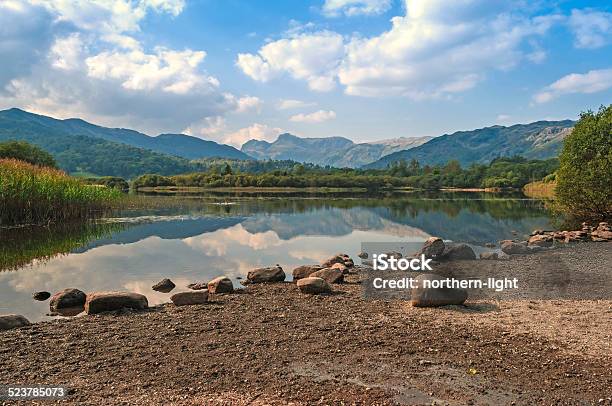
(24, 151)
(227, 170)
(584, 178)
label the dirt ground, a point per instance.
(272, 345)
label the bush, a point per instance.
(29, 153)
(152, 181)
(111, 182)
(584, 178)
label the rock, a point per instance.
(164, 286)
(603, 226)
(331, 275)
(422, 296)
(343, 268)
(190, 298)
(263, 275)
(489, 255)
(99, 302)
(540, 240)
(336, 259)
(363, 255)
(490, 245)
(349, 263)
(458, 252)
(313, 285)
(433, 247)
(9, 321)
(601, 235)
(41, 296)
(67, 298)
(537, 232)
(513, 248)
(198, 286)
(304, 271)
(221, 284)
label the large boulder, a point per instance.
(304, 271)
(433, 247)
(540, 240)
(9, 321)
(190, 298)
(513, 248)
(98, 302)
(422, 296)
(341, 267)
(264, 275)
(313, 285)
(221, 284)
(336, 259)
(67, 298)
(164, 286)
(41, 296)
(330, 275)
(460, 251)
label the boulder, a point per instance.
(164, 286)
(460, 251)
(433, 247)
(330, 275)
(41, 296)
(313, 285)
(263, 275)
(343, 268)
(99, 302)
(349, 263)
(363, 255)
(304, 271)
(198, 286)
(336, 259)
(603, 226)
(540, 240)
(67, 298)
(190, 298)
(422, 296)
(513, 248)
(601, 235)
(221, 284)
(9, 321)
(489, 255)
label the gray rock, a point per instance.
(164, 286)
(190, 298)
(264, 275)
(9, 321)
(67, 298)
(433, 247)
(513, 248)
(99, 302)
(336, 259)
(41, 296)
(489, 255)
(330, 275)
(363, 255)
(198, 286)
(304, 271)
(221, 284)
(313, 285)
(422, 296)
(458, 252)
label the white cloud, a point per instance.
(249, 103)
(311, 57)
(255, 131)
(216, 129)
(586, 83)
(67, 52)
(290, 104)
(334, 8)
(316, 117)
(592, 29)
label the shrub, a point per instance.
(23, 151)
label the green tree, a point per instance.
(584, 178)
(227, 169)
(24, 151)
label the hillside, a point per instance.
(17, 121)
(333, 151)
(538, 140)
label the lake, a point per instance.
(195, 237)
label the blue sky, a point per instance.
(233, 70)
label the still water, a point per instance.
(197, 237)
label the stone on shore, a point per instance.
(458, 252)
(190, 298)
(363, 255)
(164, 286)
(512, 248)
(9, 321)
(41, 296)
(304, 271)
(349, 263)
(422, 296)
(433, 247)
(67, 298)
(265, 275)
(198, 286)
(98, 302)
(540, 240)
(343, 268)
(336, 259)
(489, 255)
(221, 284)
(330, 275)
(313, 285)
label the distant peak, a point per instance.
(286, 136)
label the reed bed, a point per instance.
(32, 194)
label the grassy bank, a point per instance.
(32, 194)
(540, 190)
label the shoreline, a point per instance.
(197, 189)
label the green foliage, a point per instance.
(111, 182)
(26, 152)
(584, 178)
(152, 180)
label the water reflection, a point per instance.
(206, 236)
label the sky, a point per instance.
(234, 70)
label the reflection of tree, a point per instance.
(19, 247)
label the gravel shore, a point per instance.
(270, 344)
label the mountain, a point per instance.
(180, 145)
(538, 140)
(333, 151)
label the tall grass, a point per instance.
(32, 194)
